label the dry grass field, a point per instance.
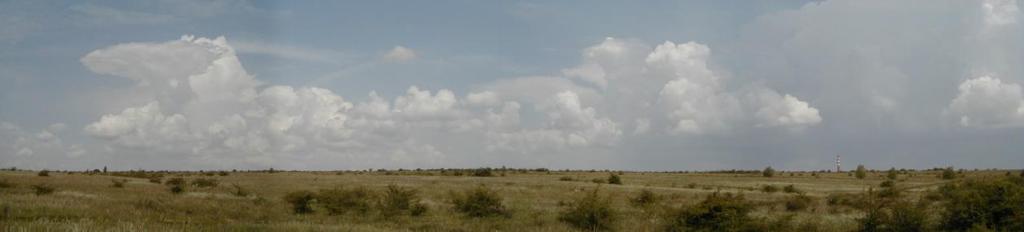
(533, 199)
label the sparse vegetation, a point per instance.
(948, 173)
(118, 183)
(799, 202)
(790, 189)
(204, 183)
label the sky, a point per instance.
(627, 85)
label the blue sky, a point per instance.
(605, 84)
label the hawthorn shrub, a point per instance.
(644, 198)
(614, 179)
(43, 189)
(479, 202)
(718, 212)
(301, 201)
(204, 183)
(790, 189)
(398, 200)
(993, 204)
(799, 202)
(591, 212)
(339, 201)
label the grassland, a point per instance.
(91, 202)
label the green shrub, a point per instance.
(790, 189)
(398, 200)
(479, 202)
(177, 189)
(997, 204)
(118, 183)
(239, 191)
(340, 201)
(718, 212)
(175, 181)
(948, 173)
(768, 172)
(591, 212)
(887, 184)
(644, 198)
(896, 215)
(769, 188)
(204, 183)
(300, 201)
(860, 173)
(43, 189)
(799, 202)
(483, 172)
(44, 173)
(614, 179)
(892, 174)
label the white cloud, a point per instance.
(988, 102)
(400, 54)
(1000, 12)
(285, 51)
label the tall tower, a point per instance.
(838, 167)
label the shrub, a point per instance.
(718, 212)
(769, 188)
(887, 184)
(483, 172)
(592, 212)
(239, 191)
(399, 200)
(479, 202)
(156, 180)
(996, 204)
(177, 189)
(948, 173)
(340, 201)
(768, 172)
(566, 178)
(44, 173)
(799, 202)
(892, 174)
(898, 215)
(175, 181)
(42, 189)
(118, 183)
(204, 183)
(644, 198)
(5, 184)
(860, 173)
(614, 179)
(300, 201)
(222, 173)
(598, 181)
(790, 189)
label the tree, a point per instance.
(768, 172)
(861, 172)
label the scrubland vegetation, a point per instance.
(487, 199)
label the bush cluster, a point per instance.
(204, 183)
(718, 212)
(398, 200)
(799, 202)
(644, 198)
(43, 189)
(614, 179)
